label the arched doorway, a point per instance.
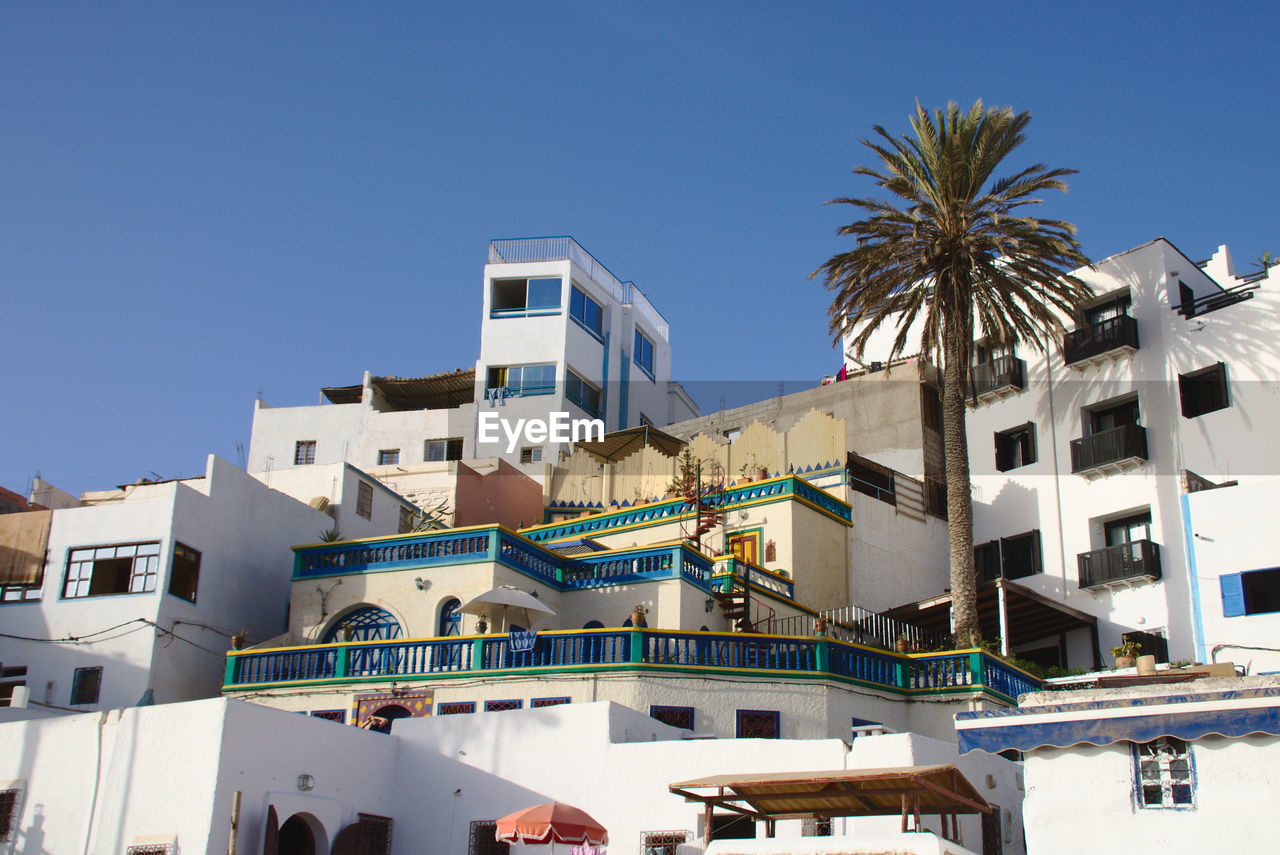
(295, 838)
(367, 623)
(385, 716)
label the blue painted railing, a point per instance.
(439, 547)
(774, 488)
(613, 567)
(746, 652)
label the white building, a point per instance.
(138, 590)
(1182, 767)
(559, 334)
(1081, 459)
(108, 782)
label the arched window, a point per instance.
(450, 622)
(593, 624)
(368, 623)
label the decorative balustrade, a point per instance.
(441, 547)
(524, 557)
(579, 650)
(672, 509)
(731, 567)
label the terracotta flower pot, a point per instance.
(1126, 661)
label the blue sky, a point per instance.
(198, 201)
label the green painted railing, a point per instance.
(765, 655)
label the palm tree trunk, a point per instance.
(955, 446)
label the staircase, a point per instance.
(736, 602)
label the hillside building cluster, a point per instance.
(395, 619)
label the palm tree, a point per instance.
(949, 253)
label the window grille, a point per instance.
(674, 716)
(758, 724)
(662, 842)
(484, 839)
(364, 500)
(501, 706)
(456, 708)
(86, 685)
(304, 452)
(538, 703)
(1164, 773)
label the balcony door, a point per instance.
(1129, 530)
(1111, 416)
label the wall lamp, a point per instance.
(711, 604)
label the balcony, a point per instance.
(997, 379)
(656, 653)
(1115, 450)
(1122, 565)
(1100, 342)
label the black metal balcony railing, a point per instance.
(1127, 442)
(1099, 338)
(1137, 560)
(1002, 373)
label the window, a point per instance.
(440, 450)
(931, 407)
(663, 842)
(532, 454)
(1020, 555)
(367, 623)
(304, 452)
(1163, 771)
(129, 568)
(644, 353)
(1203, 391)
(502, 706)
(523, 380)
(1128, 529)
(9, 801)
(818, 826)
(11, 679)
(375, 834)
(86, 685)
(1009, 557)
(1109, 416)
(184, 575)
(539, 703)
(407, 517)
(149, 849)
(1251, 593)
(519, 298)
(758, 724)
(389, 457)
(586, 312)
(674, 716)
(484, 840)
(340, 716)
(582, 393)
(364, 500)
(1016, 447)
(456, 708)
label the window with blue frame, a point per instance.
(643, 355)
(521, 298)
(582, 393)
(450, 618)
(586, 312)
(364, 624)
(523, 380)
(759, 724)
(1253, 592)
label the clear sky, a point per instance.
(199, 201)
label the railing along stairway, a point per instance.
(736, 601)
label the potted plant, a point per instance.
(637, 615)
(903, 642)
(820, 627)
(238, 640)
(482, 626)
(1126, 654)
(347, 630)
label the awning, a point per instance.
(865, 792)
(1029, 615)
(620, 443)
(434, 392)
(24, 538)
(1122, 719)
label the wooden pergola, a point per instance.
(908, 791)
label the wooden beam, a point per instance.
(964, 800)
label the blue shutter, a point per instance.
(1232, 594)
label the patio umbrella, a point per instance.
(502, 598)
(551, 823)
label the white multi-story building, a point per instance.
(137, 591)
(1082, 457)
(559, 334)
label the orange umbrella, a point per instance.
(551, 823)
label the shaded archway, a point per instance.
(383, 717)
(450, 621)
(297, 836)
